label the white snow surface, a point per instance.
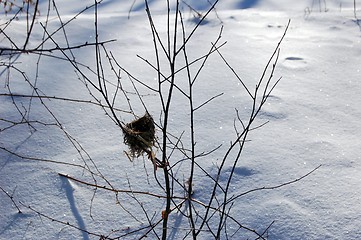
(313, 119)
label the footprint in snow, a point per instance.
(241, 171)
(273, 109)
(271, 115)
(294, 62)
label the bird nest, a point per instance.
(139, 135)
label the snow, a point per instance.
(313, 116)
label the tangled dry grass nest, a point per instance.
(139, 135)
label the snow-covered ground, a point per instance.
(313, 116)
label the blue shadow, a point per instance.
(247, 4)
(69, 194)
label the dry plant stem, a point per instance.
(63, 99)
(198, 24)
(99, 88)
(171, 52)
(57, 48)
(257, 105)
(165, 122)
(150, 220)
(355, 9)
(11, 198)
(357, 20)
(47, 160)
(192, 109)
(218, 210)
(218, 207)
(40, 47)
(166, 78)
(32, 22)
(63, 222)
(192, 137)
(165, 102)
(63, 29)
(232, 199)
(36, 94)
(117, 190)
(241, 137)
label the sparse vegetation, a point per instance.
(150, 135)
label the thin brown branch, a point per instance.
(273, 187)
(62, 99)
(116, 190)
(63, 222)
(11, 198)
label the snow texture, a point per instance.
(313, 118)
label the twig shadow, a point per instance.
(69, 191)
(177, 224)
(358, 22)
